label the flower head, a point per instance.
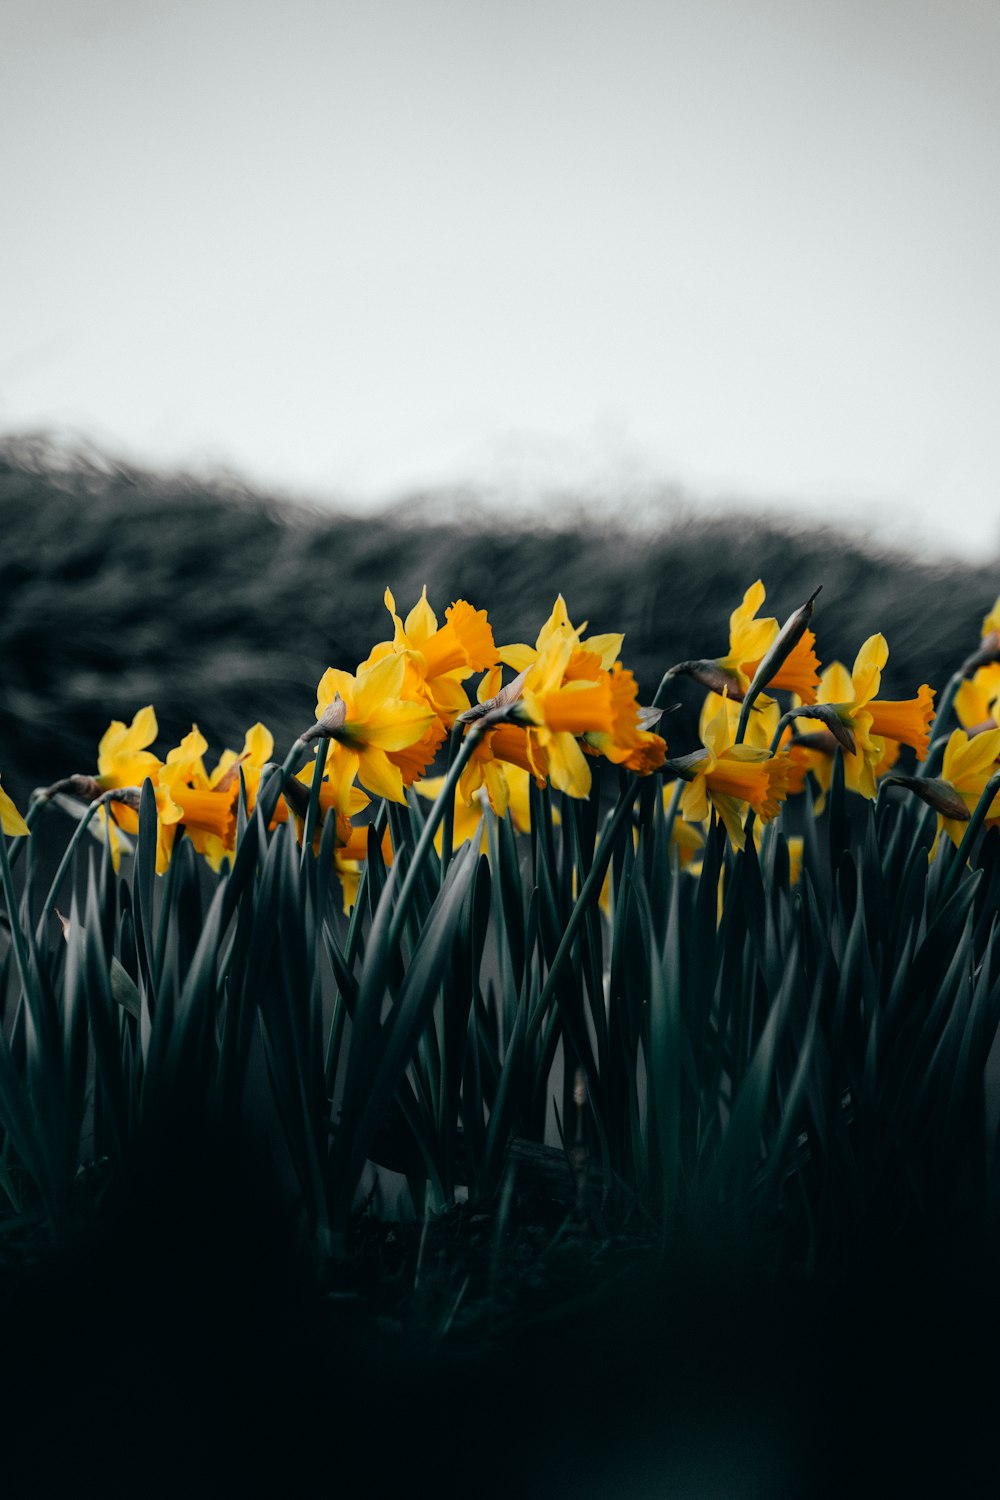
(750, 640)
(438, 658)
(732, 777)
(367, 715)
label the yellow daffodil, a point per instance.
(11, 821)
(124, 759)
(977, 702)
(749, 640)
(438, 659)
(627, 743)
(991, 621)
(906, 721)
(558, 629)
(877, 742)
(732, 777)
(367, 715)
(853, 711)
(558, 713)
(969, 762)
(205, 804)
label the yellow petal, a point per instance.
(569, 770)
(867, 673)
(379, 775)
(421, 622)
(10, 819)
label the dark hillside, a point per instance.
(219, 605)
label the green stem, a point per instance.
(589, 891)
(673, 806)
(312, 811)
(783, 723)
(426, 841)
(50, 900)
(35, 807)
(271, 789)
(448, 827)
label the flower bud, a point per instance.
(497, 705)
(828, 715)
(327, 727)
(988, 650)
(784, 643)
(710, 675)
(940, 795)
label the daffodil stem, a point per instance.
(589, 892)
(748, 702)
(271, 790)
(35, 807)
(783, 723)
(50, 900)
(426, 840)
(312, 810)
(673, 806)
(448, 826)
(972, 828)
(661, 691)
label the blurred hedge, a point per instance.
(219, 605)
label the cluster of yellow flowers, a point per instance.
(570, 699)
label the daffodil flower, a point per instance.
(187, 794)
(977, 701)
(732, 777)
(603, 649)
(968, 764)
(854, 714)
(627, 744)
(438, 658)
(749, 641)
(559, 713)
(124, 759)
(367, 715)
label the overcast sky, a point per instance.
(348, 247)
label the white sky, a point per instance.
(348, 247)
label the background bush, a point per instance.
(220, 605)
